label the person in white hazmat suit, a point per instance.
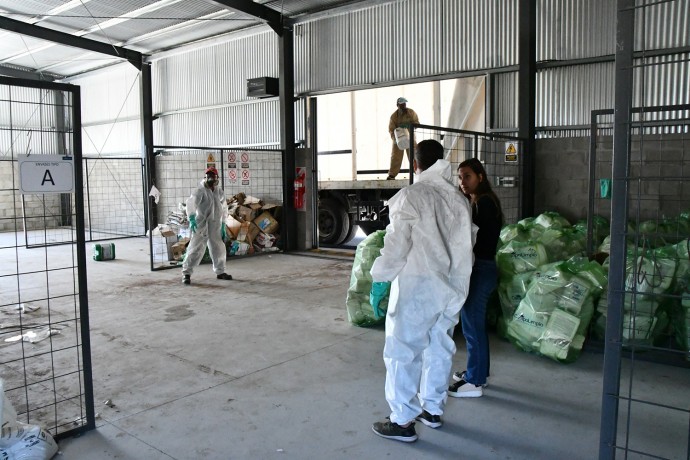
(427, 255)
(206, 210)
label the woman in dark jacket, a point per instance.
(487, 215)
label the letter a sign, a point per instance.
(45, 174)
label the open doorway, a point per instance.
(354, 145)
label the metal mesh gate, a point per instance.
(44, 328)
(253, 172)
(649, 270)
(500, 155)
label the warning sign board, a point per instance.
(511, 152)
(232, 157)
(232, 176)
(244, 160)
(246, 176)
(211, 158)
(45, 174)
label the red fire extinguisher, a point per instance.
(300, 189)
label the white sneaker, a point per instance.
(460, 375)
(464, 389)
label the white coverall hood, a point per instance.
(428, 256)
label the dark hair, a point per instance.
(484, 187)
(427, 153)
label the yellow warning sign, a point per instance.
(210, 158)
(511, 153)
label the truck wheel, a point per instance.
(351, 233)
(334, 222)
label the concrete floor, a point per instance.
(268, 366)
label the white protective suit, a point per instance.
(427, 254)
(211, 209)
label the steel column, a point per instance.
(527, 71)
(625, 28)
(287, 137)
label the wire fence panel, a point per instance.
(647, 308)
(499, 154)
(246, 175)
(44, 329)
(114, 195)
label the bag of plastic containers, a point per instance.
(359, 310)
(20, 441)
(553, 316)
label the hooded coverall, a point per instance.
(399, 119)
(211, 209)
(427, 254)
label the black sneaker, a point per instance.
(389, 430)
(464, 389)
(224, 276)
(460, 375)
(432, 421)
(186, 279)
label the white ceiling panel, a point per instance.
(147, 26)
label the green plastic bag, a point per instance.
(359, 310)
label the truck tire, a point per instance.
(334, 222)
(351, 233)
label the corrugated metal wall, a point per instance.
(110, 106)
(567, 95)
(402, 41)
(201, 98)
(575, 29)
(200, 95)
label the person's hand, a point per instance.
(222, 230)
(192, 223)
(379, 290)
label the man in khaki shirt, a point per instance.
(403, 117)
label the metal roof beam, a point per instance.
(273, 18)
(19, 73)
(134, 57)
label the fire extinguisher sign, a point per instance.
(300, 188)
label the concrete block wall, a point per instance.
(41, 211)
(659, 184)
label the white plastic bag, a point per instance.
(19, 441)
(27, 442)
(402, 138)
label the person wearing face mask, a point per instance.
(206, 210)
(487, 215)
(426, 261)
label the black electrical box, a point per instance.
(262, 87)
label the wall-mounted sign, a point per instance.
(45, 174)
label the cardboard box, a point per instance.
(238, 249)
(232, 226)
(246, 213)
(266, 222)
(265, 240)
(162, 247)
(247, 233)
(179, 248)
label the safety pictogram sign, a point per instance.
(232, 157)
(246, 175)
(211, 158)
(511, 153)
(232, 176)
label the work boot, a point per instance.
(224, 276)
(390, 178)
(186, 279)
